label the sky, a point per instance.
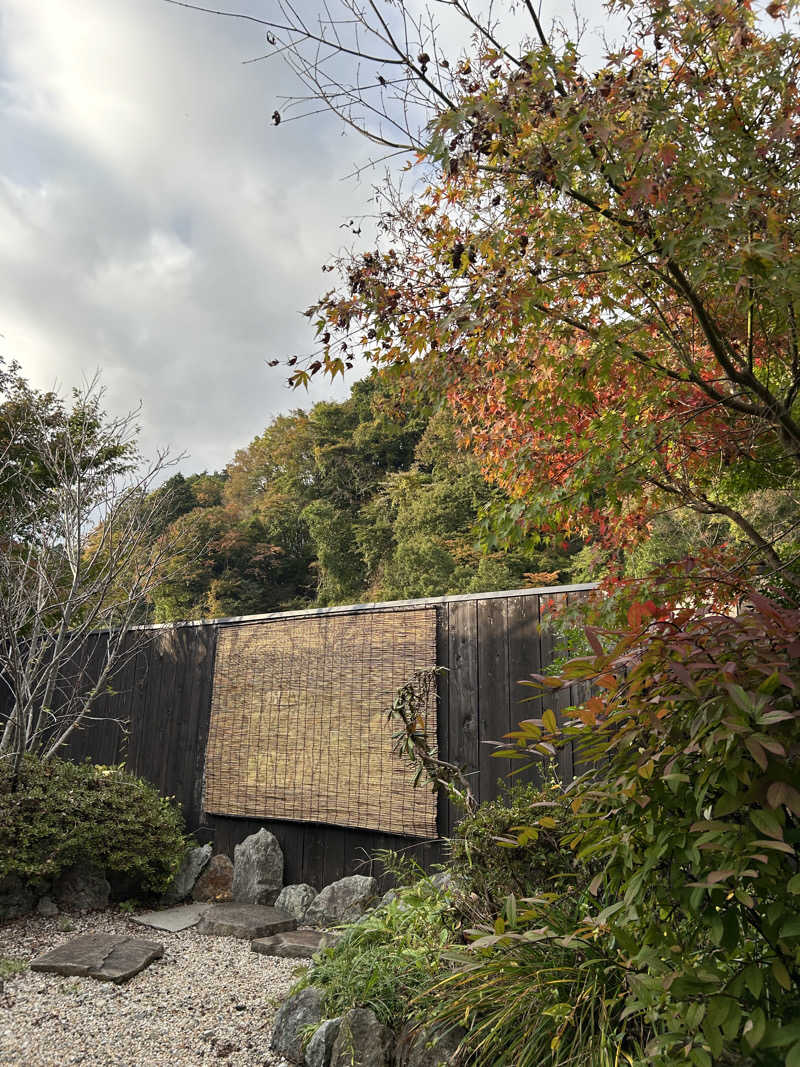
(154, 224)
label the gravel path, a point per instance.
(208, 1000)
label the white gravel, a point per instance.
(208, 1000)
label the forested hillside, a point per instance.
(367, 499)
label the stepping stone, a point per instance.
(296, 945)
(245, 920)
(107, 957)
(173, 919)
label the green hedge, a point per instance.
(65, 813)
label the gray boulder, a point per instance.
(297, 1013)
(320, 1047)
(47, 907)
(295, 899)
(192, 866)
(424, 1047)
(82, 888)
(344, 901)
(362, 1041)
(16, 899)
(443, 880)
(257, 869)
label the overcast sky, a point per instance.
(153, 223)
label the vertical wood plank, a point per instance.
(524, 659)
(579, 693)
(146, 754)
(333, 855)
(314, 856)
(463, 688)
(206, 677)
(167, 706)
(549, 607)
(493, 691)
(124, 683)
(444, 814)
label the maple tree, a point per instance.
(600, 266)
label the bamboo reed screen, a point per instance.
(298, 720)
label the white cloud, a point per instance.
(153, 222)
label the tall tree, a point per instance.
(601, 266)
(82, 546)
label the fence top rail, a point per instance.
(383, 605)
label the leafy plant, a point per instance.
(491, 859)
(64, 813)
(10, 965)
(530, 992)
(411, 709)
(389, 956)
(695, 821)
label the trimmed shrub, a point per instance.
(65, 813)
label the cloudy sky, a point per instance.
(153, 223)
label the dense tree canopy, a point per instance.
(600, 267)
(367, 499)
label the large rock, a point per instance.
(258, 869)
(296, 1014)
(244, 920)
(216, 881)
(16, 899)
(107, 957)
(362, 1041)
(320, 1047)
(342, 902)
(192, 866)
(294, 945)
(82, 888)
(181, 917)
(423, 1047)
(296, 899)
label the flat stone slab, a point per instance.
(295, 945)
(107, 957)
(245, 920)
(173, 919)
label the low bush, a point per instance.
(529, 992)
(388, 957)
(63, 813)
(492, 860)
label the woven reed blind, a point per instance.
(298, 720)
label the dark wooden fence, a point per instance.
(156, 720)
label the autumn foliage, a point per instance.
(602, 271)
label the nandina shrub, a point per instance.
(695, 819)
(63, 813)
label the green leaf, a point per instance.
(754, 979)
(754, 1027)
(550, 721)
(766, 822)
(781, 975)
(793, 1056)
